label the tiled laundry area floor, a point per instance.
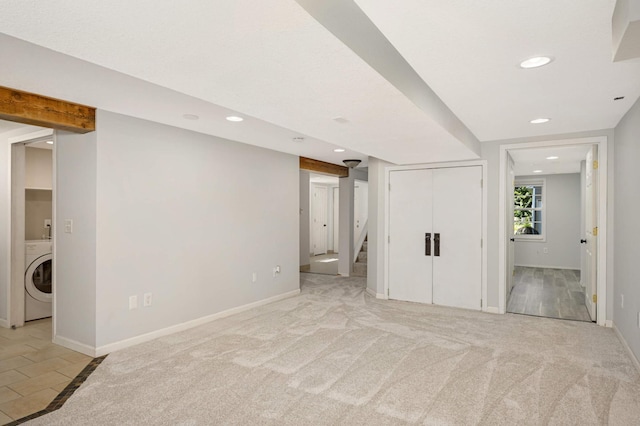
(33, 370)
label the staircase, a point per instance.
(360, 266)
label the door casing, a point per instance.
(503, 236)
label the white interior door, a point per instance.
(336, 219)
(319, 220)
(410, 218)
(591, 224)
(457, 227)
(511, 183)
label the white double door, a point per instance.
(435, 232)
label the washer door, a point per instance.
(37, 279)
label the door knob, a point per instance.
(583, 241)
(512, 239)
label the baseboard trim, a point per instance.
(374, 294)
(492, 310)
(75, 346)
(4, 323)
(111, 347)
(550, 267)
(635, 360)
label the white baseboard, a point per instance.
(626, 345)
(4, 323)
(75, 346)
(374, 294)
(608, 323)
(111, 347)
(550, 267)
(492, 310)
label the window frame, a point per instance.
(542, 237)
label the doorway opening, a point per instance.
(553, 226)
(324, 229)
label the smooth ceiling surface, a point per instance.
(568, 161)
(469, 52)
(277, 65)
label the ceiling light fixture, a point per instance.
(190, 117)
(50, 142)
(539, 120)
(338, 150)
(553, 157)
(537, 171)
(298, 139)
(351, 163)
(234, 118)
(535, 62)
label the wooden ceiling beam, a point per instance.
(322, 167)
(29, 108)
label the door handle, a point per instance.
(436, 244)
(427, 244)
(583, 241)
(512, 239)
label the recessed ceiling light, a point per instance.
(50, 142)
(234, 118)
(535, 62)
(338, 150)
(553, 157)
(539, 120)
(190, 117)
(537, 171)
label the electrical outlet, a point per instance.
(147, 299)
(276, 270)
(133, 302)
(68, 226)
(545, 250)
(254, 277)
(47, 222)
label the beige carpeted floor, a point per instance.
(334, 355)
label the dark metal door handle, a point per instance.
(436, 244)
(583, 241)
(512, 239)
(427, 244)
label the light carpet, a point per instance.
(334, 355)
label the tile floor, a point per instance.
(551, 293)
(33, 371)
(326, 264)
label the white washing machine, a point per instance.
(37, 279)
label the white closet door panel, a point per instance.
(457, 217)
(410, 217)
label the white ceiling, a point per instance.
(273, 63)
(568, 161)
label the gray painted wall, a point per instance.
(188, 217)
(562, 226)
(627, 234)
(75, 253)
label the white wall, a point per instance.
(5, 216)
(562, 217)
(158, 188)
(491, 153)
(627, 233)
(75, 253)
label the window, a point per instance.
(528, 210)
